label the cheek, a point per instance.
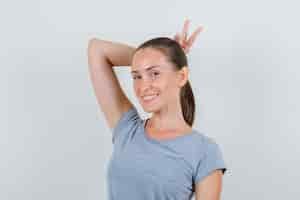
(135, 88)
(166, 88)
(166, 83)
(170, 89)
(163, 85)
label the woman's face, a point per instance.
(155, 82)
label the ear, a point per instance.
(183, 76)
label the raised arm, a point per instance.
(102, 56)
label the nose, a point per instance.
(146, 84)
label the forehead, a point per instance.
(148, 58)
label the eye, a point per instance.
(155, 73)
(135, 77)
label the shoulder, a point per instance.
(208, 157)
(201, 145)
(202, 140)
(127, 124)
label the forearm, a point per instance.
(117, 54)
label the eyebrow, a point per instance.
(148, 68)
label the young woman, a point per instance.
(162, 157)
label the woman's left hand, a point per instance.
(181, 38)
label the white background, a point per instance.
(54, 140)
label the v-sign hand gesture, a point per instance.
(182, 39)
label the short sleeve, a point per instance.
(212, 160)
(125, 124)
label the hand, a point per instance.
(182, 39)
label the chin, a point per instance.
(151, 109)
(150, 106)
(148, 110)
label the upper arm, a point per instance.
(210, 187)
(209, 171)
(110, 96)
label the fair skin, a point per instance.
(103, 55)
(167, 119)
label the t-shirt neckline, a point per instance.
(177, 138)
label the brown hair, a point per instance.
(175, 54)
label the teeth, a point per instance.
(149, 97)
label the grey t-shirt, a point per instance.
(144, 168)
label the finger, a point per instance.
(194, 35)
(177, 37)
(185, 30)
(187, 49)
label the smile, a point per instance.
(149, 98)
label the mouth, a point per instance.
(149, 98)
